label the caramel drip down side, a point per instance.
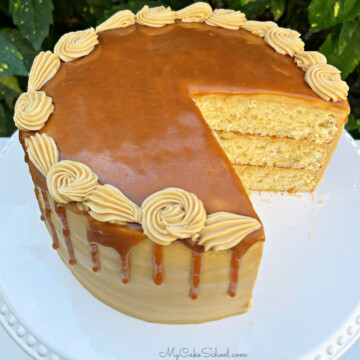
(94, 255)
(195, 275)
(36, 189)
(158, 266)
(37, 194)
(121, 238)
(238, 252)
(61, 213)
(196, 266)
(55, 239)
(234, 273)
(40, 183)
(125, 266)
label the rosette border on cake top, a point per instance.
(165, 216)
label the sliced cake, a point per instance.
(135, 134)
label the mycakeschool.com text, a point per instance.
(201, 353)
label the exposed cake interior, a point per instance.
(276, 143)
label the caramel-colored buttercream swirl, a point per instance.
(172, 214)
(42, 152)
(284, 41)
(325, 80)
(197, 12)
(76, 44)
(70, 181)
(121, 19)
(259, 28)
(228, 19)
(108, 204)
(305, 59)
(224, 230)
(155, 17)
(44, 67)
(32, 109)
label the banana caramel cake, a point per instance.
(140, 135)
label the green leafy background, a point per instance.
(28, 26)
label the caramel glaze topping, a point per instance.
(126, 111)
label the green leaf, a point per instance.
(90, 10)
(353, 123)
(327, 13)
(14, 47)
(4, 6)
(250, 8)
(9, 87)
(3, 130)
(33, 18)
(302, 2)
(342, 49)
(11, 59)
(277, 8)
(16, 54)
(178, 4)
(63, 9)
(96, 8)
(7, 126)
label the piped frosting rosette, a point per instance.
(32, 109)
(42, 152)
(224, 230)
(284, 41)
(123, 18)
(172, 214)
(108, 204)
(226, 18)
(69, 181)
(155, 17)
(305, 59)
(76, 44)
(325, 80)
(44, 67)
(259, 28)
(197, 12)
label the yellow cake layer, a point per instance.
(266, 178)
(275, 178)
(272, 115)
(273, 151)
